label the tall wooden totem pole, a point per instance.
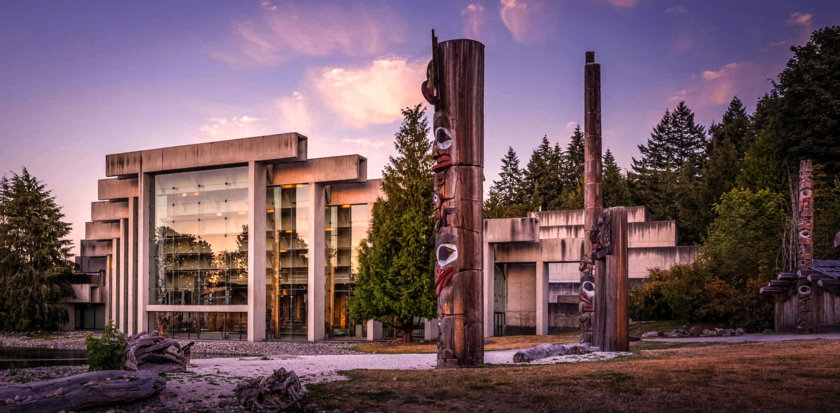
(805, 227)
(604, 265)
(455, 86)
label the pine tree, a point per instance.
(660, 179)
(542, 185)
(616, 190)
(34, 256)
(396, 262)
(510, 179)
(574, 160)
(764, 166)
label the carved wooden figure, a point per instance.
(455, 86)
(805, 226)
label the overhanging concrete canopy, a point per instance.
(349, 168)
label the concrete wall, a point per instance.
(511, 230)
(640, 259)
(521, 309)
(102, 230)
(324, 170)
(549, 250)
(652, 234)
(222, 153)
(108, 211)
(95, 248)
(564, 271)
(117, 188)
(356, 193)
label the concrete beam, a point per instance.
(511, 230)
(108, 211)
(652, 234)
(222, 153)
(95, 248)
(356, 192)
(101, 230)
(349, 168)
(117, 188)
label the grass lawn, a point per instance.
(772, 376)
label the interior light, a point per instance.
(287, 186)
(218, 214)
(184, 194)
(195, 193)
(270, 211)
(345, 206)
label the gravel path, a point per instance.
(749, 338)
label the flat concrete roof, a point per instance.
(236, 151)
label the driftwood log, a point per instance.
(549, 350)
(276, 392)
(145, 351)
(82, 391)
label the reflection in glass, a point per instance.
(204, 326)
(287, 261)
(345, 226)
(200, 242)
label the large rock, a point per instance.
(550, 350)
(650, 334)
(145, 351)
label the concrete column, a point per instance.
(374, 330)
(489, 286)
(542, 298)
(144, 232)
(128, 291)
(115, 264)
(256, 250)
(315, 289)
(430, 329)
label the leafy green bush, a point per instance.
(108, 351)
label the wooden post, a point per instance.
(592, 198)
(805, 225)
(616, 336)
(455, 86)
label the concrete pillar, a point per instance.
(144, 232)
(315, 285)
(374, 330)
(542, 298)
(130, 279)
(489, 286)
(115, 263)
(256, 250)
(430, 329)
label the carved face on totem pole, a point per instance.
(587, 293)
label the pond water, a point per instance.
(21, 357)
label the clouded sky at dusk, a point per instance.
(82, 79)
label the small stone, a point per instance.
(739, 331)
(10, 401)
(767, 331)
(707, 333)
(719, 332)
(17, 397)
(695, 331)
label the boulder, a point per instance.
(739, 331)
(695, 331)
(650, 334)
(707, 333)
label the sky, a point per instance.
(82, 79)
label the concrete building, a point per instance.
(248, 239)
(239, 239)
(531, 269)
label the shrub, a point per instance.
(739, 306)
(108, 351)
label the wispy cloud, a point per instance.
(676, 9)
(371, 95)
(799, 19)
(473, 19)
(624, 3)
(230, 126)
(293, 113)
(529, 21)
(283, 32)
(571, 125)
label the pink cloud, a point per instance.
(228, 127)
(799, 19)
(293, 113)
(371, 95)
(529, 21)
(624, 3)
(473, 20)
(282, 33)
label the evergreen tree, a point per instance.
(764, 166)
(659, 179)
(34, 256)
(542, 186)
(574, 160)
(396, 262)
(615, 188)
(510, 179)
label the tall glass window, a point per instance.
(200, 242)
(345, 226)
(287, 261)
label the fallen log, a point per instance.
(145, 351)
(82, 391)
(277, 392)
(550, 350)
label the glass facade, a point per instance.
(287, 261)
(200, 242)
(200, 325)
(345, 226)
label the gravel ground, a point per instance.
(207, 386)
(75, 340)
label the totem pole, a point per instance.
(455, 86)
(592, 199)
(805, 226)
